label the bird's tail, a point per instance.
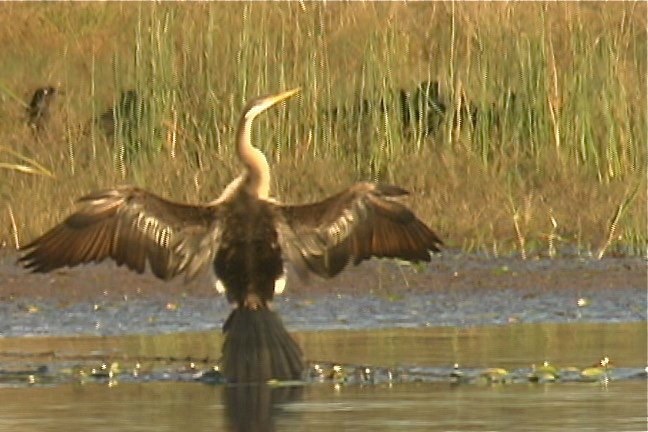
(258, 348)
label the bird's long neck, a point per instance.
(257, 178)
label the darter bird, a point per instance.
(247, 237)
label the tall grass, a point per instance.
(550, 173)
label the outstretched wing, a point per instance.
(132, 227)
(363, 221)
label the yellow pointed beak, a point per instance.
(283, 96)
(260, 104)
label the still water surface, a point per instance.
(166, 406)
(420, 397)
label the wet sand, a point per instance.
(448, 272)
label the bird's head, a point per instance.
(258, 105)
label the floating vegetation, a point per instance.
(544, 373)
(597, 372)
(112, 372)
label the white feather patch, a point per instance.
(220, 288)
(280, 284)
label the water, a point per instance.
(163, 406)
(102, 349)
(421, 395)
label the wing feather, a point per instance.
(133, 227)
(361, 222)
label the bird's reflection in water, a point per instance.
(253, 407)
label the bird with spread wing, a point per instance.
(246, 237)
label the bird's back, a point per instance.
(249, 258)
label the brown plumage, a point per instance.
(39, 106)
(247, 237)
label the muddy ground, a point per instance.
(453, 290)
(382, 277)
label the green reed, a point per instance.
(560, 91)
